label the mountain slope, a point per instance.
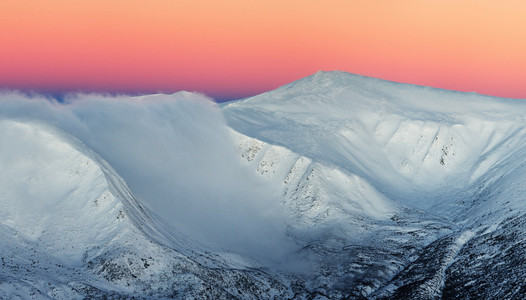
(70, 228)
(351, 237)
(407, 140)
(447, 163)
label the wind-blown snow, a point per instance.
(71, 228)
(177, 155)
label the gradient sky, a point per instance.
(234, 48)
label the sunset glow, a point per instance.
(231, 49)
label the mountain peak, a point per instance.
(325, 79)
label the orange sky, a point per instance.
(235, 48)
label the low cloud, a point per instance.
(176, 154)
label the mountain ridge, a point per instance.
(455, 149)
(98, 240)
(359, 188)
(363, 117)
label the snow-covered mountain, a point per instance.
(71, 228)
(420, 187)
(334, 186)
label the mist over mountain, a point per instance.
(333, 186)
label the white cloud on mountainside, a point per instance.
(176, 154)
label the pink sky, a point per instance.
(231, 49)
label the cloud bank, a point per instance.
(177, 155)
